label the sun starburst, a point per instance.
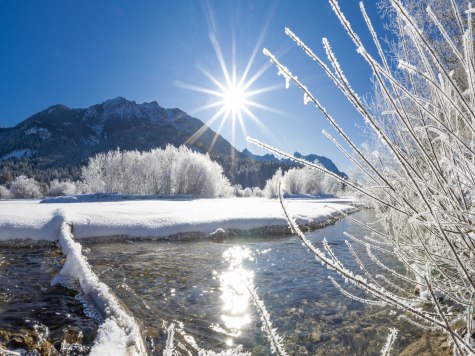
(231, 93)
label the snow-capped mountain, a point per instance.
(61, 137)
(324, 161)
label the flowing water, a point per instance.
(201, 287)
(198, 286)
(35, 316)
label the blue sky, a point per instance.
(79, 53)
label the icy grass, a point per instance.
(421, 175)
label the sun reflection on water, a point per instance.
(234, 283)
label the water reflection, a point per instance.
(234, 291)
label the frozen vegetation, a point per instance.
(57, 188)
(165, 172)
(419, 170)
(303, 181)
(24, 188)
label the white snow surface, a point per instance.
(28, 219)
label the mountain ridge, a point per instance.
(60, 137)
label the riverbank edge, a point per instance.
(220, 234)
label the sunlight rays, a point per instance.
(230, 91)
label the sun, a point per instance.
(234, 98)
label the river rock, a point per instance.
(428, 345)
(316, 335)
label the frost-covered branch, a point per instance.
(419, 174)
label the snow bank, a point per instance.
(119, 334)
(109, 197)
(158, 218)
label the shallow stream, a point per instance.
(201, 288)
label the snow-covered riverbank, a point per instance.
(28, 219)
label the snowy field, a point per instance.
(30, 219)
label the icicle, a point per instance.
(286, 77)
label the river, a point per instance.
(200, 287)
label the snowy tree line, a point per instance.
(23, 187)
(169, 171)
(303, 181)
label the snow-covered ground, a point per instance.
(30, 219)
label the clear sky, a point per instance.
(79, 53)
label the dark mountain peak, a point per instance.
(117, 101)
(64, 138)
(56, 108)
(120, 101)
(122, 109)
(117, 122)
(324, 161)
(266, 157)
(176, 111)
(311, 157)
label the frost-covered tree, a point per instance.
(61, 188)
(421, 175)
(304, 180)
(4, 192)
(237, 190)
(294, 181)
(247, 192)
(25, 188)
(160, 171)
(257, 192)
(271, 189)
